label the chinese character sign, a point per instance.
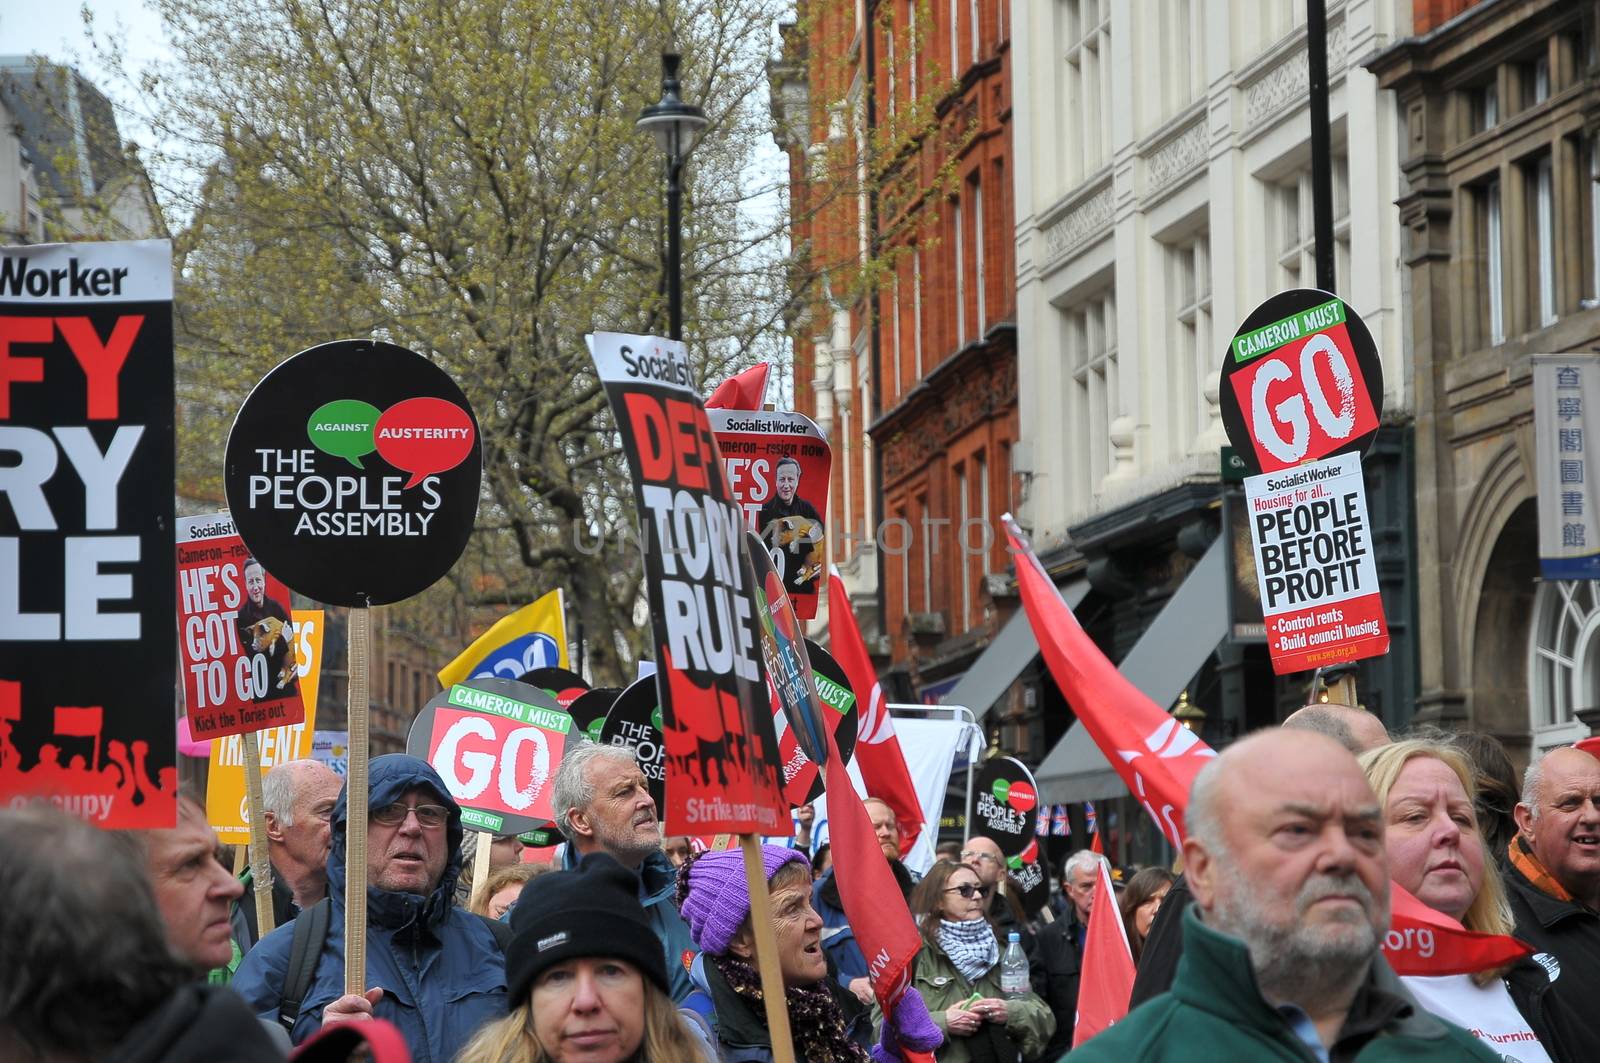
(1566, 388)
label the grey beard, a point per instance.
(1293, 964)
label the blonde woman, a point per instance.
(1436, 852)
(586, 979)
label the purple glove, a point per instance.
(911, 1027)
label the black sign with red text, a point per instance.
(721, 752)
(778, 465)
(88, 647)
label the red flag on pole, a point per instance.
(79, 722)
(1156, 756)
(742, 391)
(1107, 979)
(878, 754)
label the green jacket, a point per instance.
(1214, 1002)
(1029, 1022)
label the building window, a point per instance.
(903, 548)
(977, 251)
(1086, 87)
(1484, 106)
(1192, 357)
(1544, 251)
(1091, 355)
(980, 510)
(1293, 225)
(899, 381)
(925, 554)
(888, 58)
(1563, 659)
(961, 278)
(977, 34)
(911, 48)
(1183, 57)
(1491, 271)
(955, 42)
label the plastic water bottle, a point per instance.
(1014, 969)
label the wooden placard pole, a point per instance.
(260, 863)
(355, 839)
(767, 962)
(480, 867)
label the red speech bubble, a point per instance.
(424, 435)
(1021, 796)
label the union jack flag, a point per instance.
(1041, 827)
(1060, 825)
(1088, 816)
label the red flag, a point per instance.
(1425, 941)
(85, 722)
(1107, 979)
(878, 755)
(742, 391)
(1156, 756)
(1095, 845)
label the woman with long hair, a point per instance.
(715, 901)
(1436, 852)
(585, 977)
(1140, 902)
(958, 973)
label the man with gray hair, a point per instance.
(1286, 860)
(1554, 879)
(602, 804)
(297, 799)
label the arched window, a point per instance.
(1563, 659)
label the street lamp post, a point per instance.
(674, 124)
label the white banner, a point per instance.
(1566, 396)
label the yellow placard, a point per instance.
(225, 789)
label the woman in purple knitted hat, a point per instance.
(715, 902)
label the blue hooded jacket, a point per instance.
(657, 882)
(442, 973)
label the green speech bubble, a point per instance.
(1001, 788)
(343, 428)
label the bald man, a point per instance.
(1555, 879)
(1286, 861)
(1355, 729)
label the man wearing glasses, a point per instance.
(433, 969)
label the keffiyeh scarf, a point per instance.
(971, 946)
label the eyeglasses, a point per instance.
(973, 854)
(395, 814)
(969, 891)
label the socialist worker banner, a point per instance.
(88, 649)
(240, 671)
(722, 754)
(1314, 565)
(226, 809)
(778, 465)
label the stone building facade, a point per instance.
(1500, 112)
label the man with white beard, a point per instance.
(1286, 860)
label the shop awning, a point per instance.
(998, 666)
(1161, 664)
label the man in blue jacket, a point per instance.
(603, 805)
(434, 970)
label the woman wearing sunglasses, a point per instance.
(958, 974)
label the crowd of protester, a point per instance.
(628, 946)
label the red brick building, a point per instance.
(900, 142)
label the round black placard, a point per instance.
(353, 471)
(1005, 804)
(1301, 381)
(564, 685)
(588, 710)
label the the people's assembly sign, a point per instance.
(353, 472)
(88, 648)
(778, 466)
(240, 670)
(721, 752)
(1005, 804)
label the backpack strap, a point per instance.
(310, 933)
